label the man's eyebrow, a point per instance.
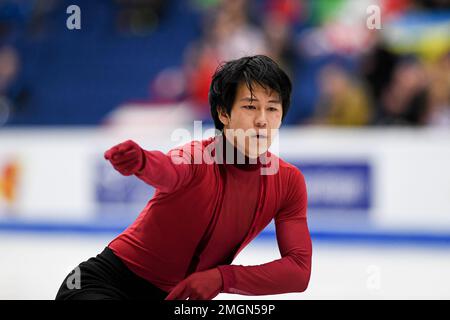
(254, 99)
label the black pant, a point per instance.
(106, 277)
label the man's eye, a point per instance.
(272, 109)
(249, 107)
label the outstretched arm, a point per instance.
(166, 172)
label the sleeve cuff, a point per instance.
(227, 278)
(140, 171)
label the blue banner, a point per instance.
(338, 185)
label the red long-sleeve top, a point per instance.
(203, 214)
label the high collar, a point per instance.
(232, 156)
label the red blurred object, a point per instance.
(289, 10)
(392, 8)
(198, 81)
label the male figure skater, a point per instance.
(205, 212)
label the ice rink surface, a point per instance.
(33, 265)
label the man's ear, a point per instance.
(223, 116)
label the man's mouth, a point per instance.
(260, 136)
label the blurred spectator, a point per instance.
(301, 35)
(377, 67)
(342, 101)
(30, 17)
(11, 97)
(231, 34)
(278, 20)
(9, 66)
(439, 95)
(12, 15)
(139, 17)
(227, 34)
(404, 100)
(433, 4)
(39, 13)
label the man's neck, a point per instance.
(231, 155)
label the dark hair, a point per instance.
(260, 70)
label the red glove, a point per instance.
(127, 157)
(204, 285)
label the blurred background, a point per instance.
(369, 127)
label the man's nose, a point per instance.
(261, 119)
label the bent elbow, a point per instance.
(302, 280)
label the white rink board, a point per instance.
(410, 171)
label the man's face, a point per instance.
(254, 120)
